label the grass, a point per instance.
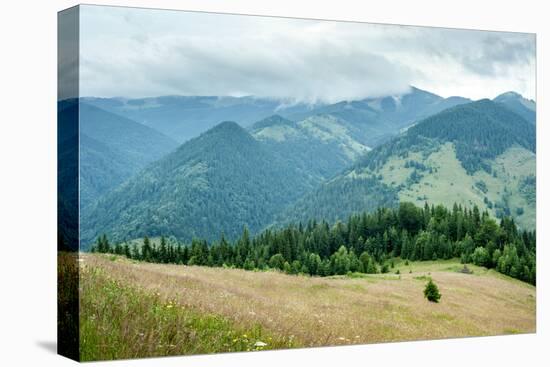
(120, 321)
(210, 307)
(450, 265)
(67, 304)
(452, 184)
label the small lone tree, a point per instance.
(431, 292)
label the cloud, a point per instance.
(136, 52)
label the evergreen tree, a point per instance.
(163, 251)
(146, 249)
(318, 249)
(431, 292)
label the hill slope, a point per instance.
(112, 149)
(319, 146)
(524, 107)
(378, 119)
(218, 182)
(478, 153)
(333, 311)
(327, 139)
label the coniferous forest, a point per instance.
(365, 243)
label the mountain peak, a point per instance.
(226, 126)
(226, 133)
(415, 90)
(515, 102)
(509, 94)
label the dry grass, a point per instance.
(340, 310)
(120, 320)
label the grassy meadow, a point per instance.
(132, 309)
(451, 183)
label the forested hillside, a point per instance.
(218, 182)
(524, 107)
(474, 154)
(319, 146)
(378, 119)
(327, 139)
(113, 149)
(365, 243)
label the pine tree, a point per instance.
(319, 249)
(146, 249)
(431, 292)
(163, 251)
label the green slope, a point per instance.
(218, 182)
(475, 154)
(113, 149)
(376, 120)
(319, 146)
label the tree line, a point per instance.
(365, 243)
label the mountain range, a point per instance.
(185, 117)
(280, 164)
(218, 182)
(480, 153)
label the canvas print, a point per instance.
(235, 183)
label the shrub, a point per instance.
(277, 261)
(481, 257)
(431, 292)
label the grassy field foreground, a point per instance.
(132, 309)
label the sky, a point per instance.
(132, 52)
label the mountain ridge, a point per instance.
(474, 139)
(218, 182)
(113, 149)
